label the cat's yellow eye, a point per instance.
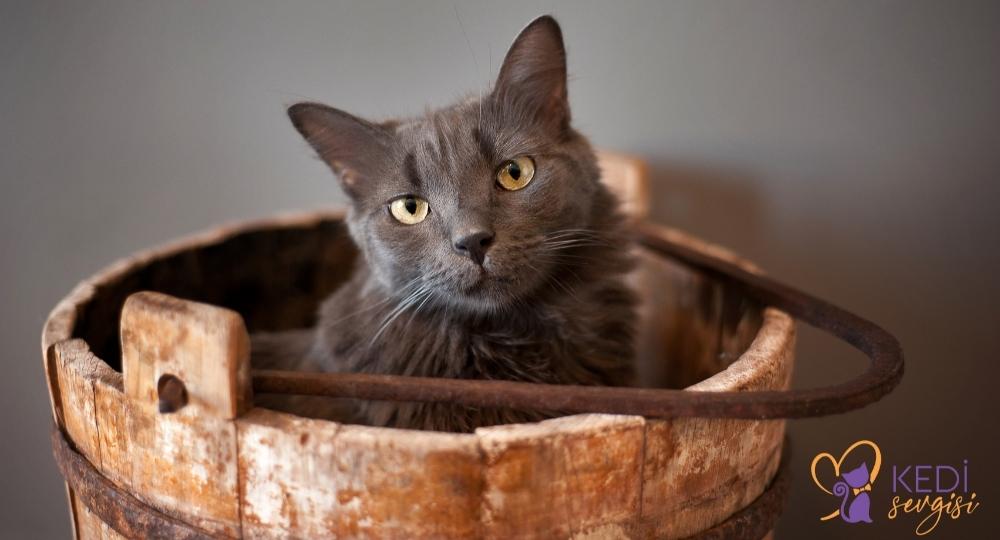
(409, 210)
(516, 173)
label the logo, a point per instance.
(929, 492)
(854, 486)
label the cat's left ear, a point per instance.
(353, 147)
(533, 76)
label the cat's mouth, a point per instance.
(484, 287)
(484, 284)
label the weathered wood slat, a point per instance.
(88, 526)
(306, 478)
(562, 477)
(697, 471)
(76, 372)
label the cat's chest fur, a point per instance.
(581, 336)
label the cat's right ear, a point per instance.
(351, 146)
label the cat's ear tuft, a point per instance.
(533, 75)
(351, 146)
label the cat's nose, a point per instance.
(474, 244)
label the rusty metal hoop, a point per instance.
(883, 373)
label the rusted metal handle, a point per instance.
(882, 375)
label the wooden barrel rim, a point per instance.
(776, 330)
(772, 340)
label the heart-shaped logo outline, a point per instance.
(837, 463)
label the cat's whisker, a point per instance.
(378, 304)
(360, 311)
(574, 236)
(575, 242)
(569, 234)
(395, 313)
(566, 288)
(422, 294)
(390, 319)
(578, 237)
(564, 245)
(426, 297)
(574, 231)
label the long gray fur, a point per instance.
(548, 303)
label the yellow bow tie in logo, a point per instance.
(868, 487)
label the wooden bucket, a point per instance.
(220, 467)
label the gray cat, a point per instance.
(490, 249)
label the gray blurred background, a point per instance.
(850, 148)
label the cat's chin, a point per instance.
(475, 305)
(487, 294)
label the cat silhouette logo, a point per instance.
(853, 476)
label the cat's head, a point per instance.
(479, 204)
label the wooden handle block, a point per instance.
(206, 347)
(182, 458)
